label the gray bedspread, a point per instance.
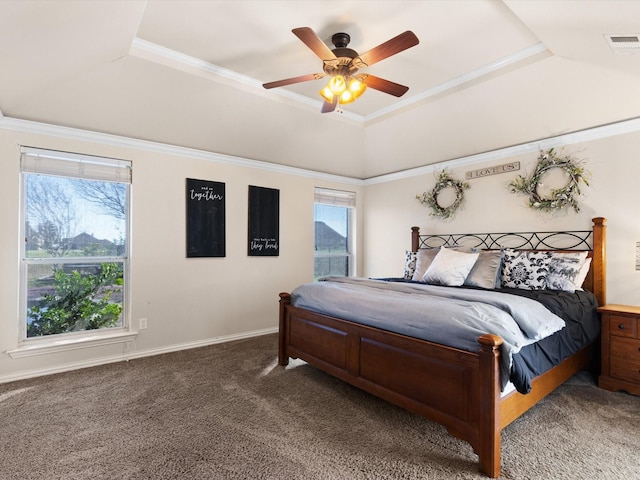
(446, 315)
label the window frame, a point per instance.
(339, 198)
(48, 162)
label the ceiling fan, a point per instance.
(342, 65)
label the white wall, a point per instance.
(546, 98)
(390, 209)
(197, 301)
(188, 301)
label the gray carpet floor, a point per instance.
(229, 411)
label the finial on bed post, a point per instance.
(415, 239)
(600, 259)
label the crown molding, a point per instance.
(578, 136)
(68, 133)
(589, 134)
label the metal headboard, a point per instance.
(594, 241)
(569, 240)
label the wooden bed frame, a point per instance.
(456, 388)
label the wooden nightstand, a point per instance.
(620, 348)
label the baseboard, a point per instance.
(130, 355)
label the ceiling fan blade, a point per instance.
(385, 86)
(390, 47)
(328, 107)
(311, 40)
(290, 81)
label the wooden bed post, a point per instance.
(489, 444)
(415, 239)
(283, 356)
(599, 259)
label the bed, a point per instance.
(462, 389)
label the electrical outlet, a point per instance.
(143, 323)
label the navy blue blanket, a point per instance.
(582, 328)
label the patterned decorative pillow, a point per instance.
(410, 259)
(486, 271)
(564, 269)
(525, 270)
(582, 276)
(450, 267)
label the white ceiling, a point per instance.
(189, 73)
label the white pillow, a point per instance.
(450, 268)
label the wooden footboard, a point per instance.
(458, 389)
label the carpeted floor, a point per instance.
(229, 412)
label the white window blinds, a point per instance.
(338, 198)
(51, 162)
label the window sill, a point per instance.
(64, 345)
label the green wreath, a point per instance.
(431, 198)
(558, 198)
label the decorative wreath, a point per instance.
(431, 198)
(559, 198)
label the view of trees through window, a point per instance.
(332, 249)
(75, 251)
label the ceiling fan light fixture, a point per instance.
(347, 90)
(337, 85)
(326, 94)
(346, 97)
(354, 90)
(334, 88)
(356, 87)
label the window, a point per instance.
(74, 268)
(333, 216)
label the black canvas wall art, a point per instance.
(264, 222)
(205, 218)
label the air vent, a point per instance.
(624, 44)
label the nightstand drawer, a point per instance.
(622, 326)
(625, 350)
(625, 371)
